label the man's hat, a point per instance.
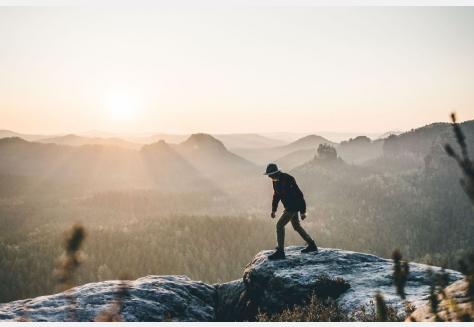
(271, 169)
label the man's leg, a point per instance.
(295, 222)
(280, 252)
(280, 227)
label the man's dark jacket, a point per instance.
(286, 190)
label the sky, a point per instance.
(218, 69)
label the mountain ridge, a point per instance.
(201, 157)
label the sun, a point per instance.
(121, 107)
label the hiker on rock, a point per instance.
(286, 190)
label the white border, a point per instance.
(253, 3)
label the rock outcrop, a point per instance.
(350, 277)
(457, 306)
(274, 285)
(151, 298)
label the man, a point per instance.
(286, 190)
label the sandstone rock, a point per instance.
(268, 285)
(229, 300)
(457, 306)
(151, 298)
(274, 285)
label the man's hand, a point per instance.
(272, 214)
(303, 216)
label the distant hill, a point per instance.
(328, 180)
(285, 137)
(114, 162)
(408, 153)
(202, 143)
(29, 137)
(341, 136)
(419, 141)
(93, 166)
(168, 138)
(167, 167)
(360, 149)
(231, 141)
(387, 134)
(309, 141)
(256, 141)
(295, 158)
(201, 161)
(411, 150)
(357, 151)
(76, 140)
(210, 156)
(337, 137)
(263, 156)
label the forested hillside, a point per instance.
(205, 211)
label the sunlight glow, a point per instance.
(121, 107)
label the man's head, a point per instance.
(272, 171)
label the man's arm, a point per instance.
(301, 196)
(303, 208)
(275, 200)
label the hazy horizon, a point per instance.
(277, 135)
(150, 133)
(241, 70)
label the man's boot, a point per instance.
(277, 255)
(310, 248)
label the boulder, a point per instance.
(151, 298)
(274, 285)
(229, 300)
